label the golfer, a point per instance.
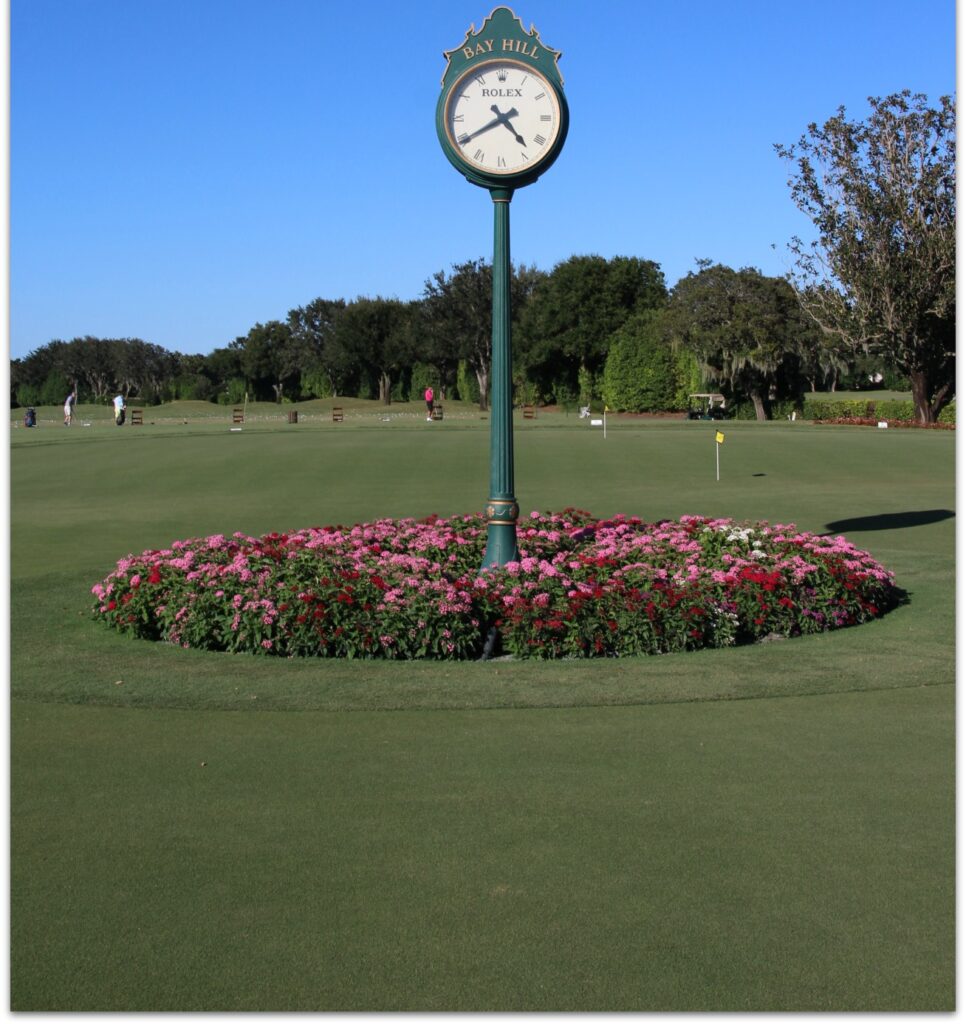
(429, 404)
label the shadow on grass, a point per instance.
(888, 521)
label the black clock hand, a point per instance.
(504, 119)
(500, 118)
(479, 131)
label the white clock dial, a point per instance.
(503, 117)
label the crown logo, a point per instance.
(501, 74)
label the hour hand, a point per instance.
(504, 119)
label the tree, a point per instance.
(313, 328)
(643, 371)
(880, 278)
(577, 307)
(747, 330)
(377, 332)
(91, 360)
(457, 314)
(269, 357)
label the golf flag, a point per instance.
(719, 437)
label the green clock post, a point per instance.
(502, 120)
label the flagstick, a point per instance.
(717, 461)
(605, 422)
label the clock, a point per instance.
(505, 122)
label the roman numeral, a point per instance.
(500, 162)
(463, 139)
(543, 117)
(540, 96)
(459, 117)
(478, 155)
(539, 140)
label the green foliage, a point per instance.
(902, 410)
(572, 313)
(467, 386)
(880, 278)
(587, 389)
(687, 374)
(423, 376)
(192, 387)
(525, 392)
(643, 373)
(233, 392)
(315, 384)
(455, 320)
(56, 388)
(747, 330)
(27, 394)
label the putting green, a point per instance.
(203, 832)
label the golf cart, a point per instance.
(706, 407)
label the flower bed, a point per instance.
(412, 589)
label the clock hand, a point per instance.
(480, 131)
(504, 119)
(500, 118)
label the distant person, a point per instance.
(429, 404)
(69, 408)
(119, 409)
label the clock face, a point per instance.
(503, 117)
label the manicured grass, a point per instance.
(561, 836)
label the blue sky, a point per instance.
(182, 169)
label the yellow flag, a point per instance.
(719, 437)
(606, 409)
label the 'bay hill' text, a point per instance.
(485, 46)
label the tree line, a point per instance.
(872, 296)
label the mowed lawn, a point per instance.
(767, 828)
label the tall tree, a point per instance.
(313, 328)
(377, 332)
(880, 277)
(458, 312)
(269, 358)
(747, 331)
(578, 306)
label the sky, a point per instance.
(181, 170)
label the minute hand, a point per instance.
(500, 118)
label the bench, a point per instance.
(293, 416)
(529, 412)
(137, 417)
(337, 414)
(437, 413)
(238, 414)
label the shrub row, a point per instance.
(895, 411)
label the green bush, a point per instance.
(840, 408)
(423, 376)
(234, 392)
(640, 374)
(467, 385)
